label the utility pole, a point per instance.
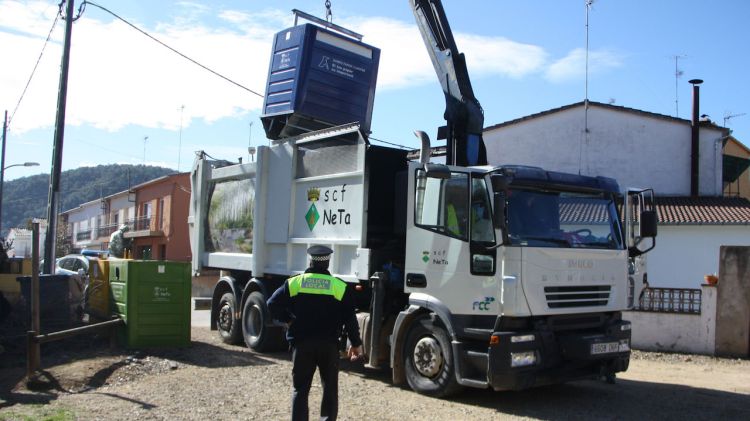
(53, 199)
(2, 166)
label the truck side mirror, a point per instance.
(438, 171)
(648, 223)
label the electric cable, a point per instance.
(39, 59)
(390, 143)
(174, 50)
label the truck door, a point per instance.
(445, 215)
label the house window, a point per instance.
(160, 213)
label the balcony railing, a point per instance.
(141, 223)
(670, 300)
(83, 235)
(106, 230)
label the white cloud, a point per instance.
(573, 66)
(404, 59)
(119, 77)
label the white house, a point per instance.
(90, 224)
(640, 149)
(22, 240)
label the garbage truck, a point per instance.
(465, 274)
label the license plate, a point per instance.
(605, 348)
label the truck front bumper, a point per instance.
(519, 360)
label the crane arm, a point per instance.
(463, 113)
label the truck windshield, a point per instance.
(562, 219)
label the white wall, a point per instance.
(693, 333)
(684, 253)
(636, 149)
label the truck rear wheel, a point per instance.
(258, 336)
(428, 359)
(226, 324)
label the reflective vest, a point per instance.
(452, 220)
(317, 284)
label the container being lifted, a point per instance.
(319, 77)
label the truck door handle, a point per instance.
(416, 280)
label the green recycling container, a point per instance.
(153, 297)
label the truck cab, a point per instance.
(531, 262)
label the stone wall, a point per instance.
(733, 315)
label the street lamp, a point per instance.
(2, 180)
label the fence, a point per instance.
(670, 300)
(674, 319)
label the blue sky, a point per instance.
(523, 57)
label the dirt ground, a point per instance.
(85, 379)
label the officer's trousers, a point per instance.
(306, 357)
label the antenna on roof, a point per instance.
(588, 4)
(728, 116)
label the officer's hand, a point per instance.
(355, 353)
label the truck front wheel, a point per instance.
(226, 324)
(258, 336)
(428, 359)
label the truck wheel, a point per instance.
(229, 329)
(258, 336)
(428, 360)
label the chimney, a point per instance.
(694, 134)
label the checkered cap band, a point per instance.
(324, 258)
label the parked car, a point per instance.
(70, 264)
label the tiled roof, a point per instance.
(703, 210)
(583, 212)
(671, 210)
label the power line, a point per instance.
(389, 143)
(173, 50)
(33, 71)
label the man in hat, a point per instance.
(314, 305)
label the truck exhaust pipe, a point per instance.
(424, 150)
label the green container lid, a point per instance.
(153, 298)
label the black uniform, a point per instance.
(315, 316)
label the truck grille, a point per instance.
(577, 296)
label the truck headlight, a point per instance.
(522, 338)
(522, 359)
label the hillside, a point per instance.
(26, 197)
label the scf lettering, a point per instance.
(333, 195)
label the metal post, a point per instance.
(33, 348)
(53, 199)
(2, 170)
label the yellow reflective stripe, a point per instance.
(317, 284)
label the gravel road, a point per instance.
(211, 380)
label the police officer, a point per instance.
(314, 306)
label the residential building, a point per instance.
(22, 240)
(736, 168)
(117, 209)
(83, 221)
(160, 230)
(643, 150)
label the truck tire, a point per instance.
(258, 336)
(428, 359)
(226, 324)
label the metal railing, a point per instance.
(106, 230)
(670, 300)
(83, 235)
(140, 223)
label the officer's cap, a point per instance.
(319, 253)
